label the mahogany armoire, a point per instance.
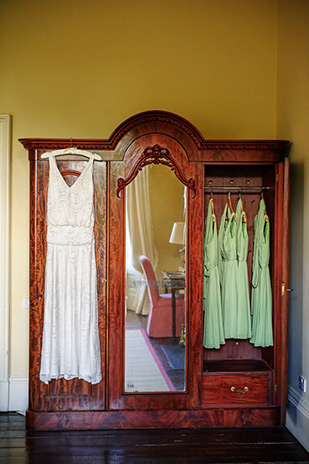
(236, 385)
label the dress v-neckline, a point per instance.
(79, 177)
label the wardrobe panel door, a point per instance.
(61, 394)
(120, 171)
(282, 347)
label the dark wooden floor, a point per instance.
(255, 445)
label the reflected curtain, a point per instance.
(139, 222)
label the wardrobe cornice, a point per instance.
(172, 125)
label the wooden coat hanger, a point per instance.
(212, 206)
(265, 212)
(71, 151)
(229, 203)
(244, 216)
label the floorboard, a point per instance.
(196, 446)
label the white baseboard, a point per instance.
(297, 420)
(4, 396)
(18, 393)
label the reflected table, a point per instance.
(173, 281)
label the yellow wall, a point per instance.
(293, 124)
(77, 69)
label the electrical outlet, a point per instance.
(26, 303)
(302, 383)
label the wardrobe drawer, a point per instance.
(235, 388)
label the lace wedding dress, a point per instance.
(70, 345)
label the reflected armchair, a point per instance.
(160, 317)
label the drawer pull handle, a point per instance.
(233, 389)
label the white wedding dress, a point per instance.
(71, 346)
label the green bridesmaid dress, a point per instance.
(228, 272)
(213, 327)
(261, 298)
(243, 300)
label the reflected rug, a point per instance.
(143, 369)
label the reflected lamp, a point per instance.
(177, 237)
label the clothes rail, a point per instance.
(237, 189)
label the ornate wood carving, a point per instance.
(155, 155)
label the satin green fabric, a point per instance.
(243, 299)
(261, 297)
(228, 272)
(213, 335)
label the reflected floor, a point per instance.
(167, 350)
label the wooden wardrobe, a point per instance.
(208, 399)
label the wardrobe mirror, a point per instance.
(155, 291)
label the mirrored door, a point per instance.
(155, 286)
